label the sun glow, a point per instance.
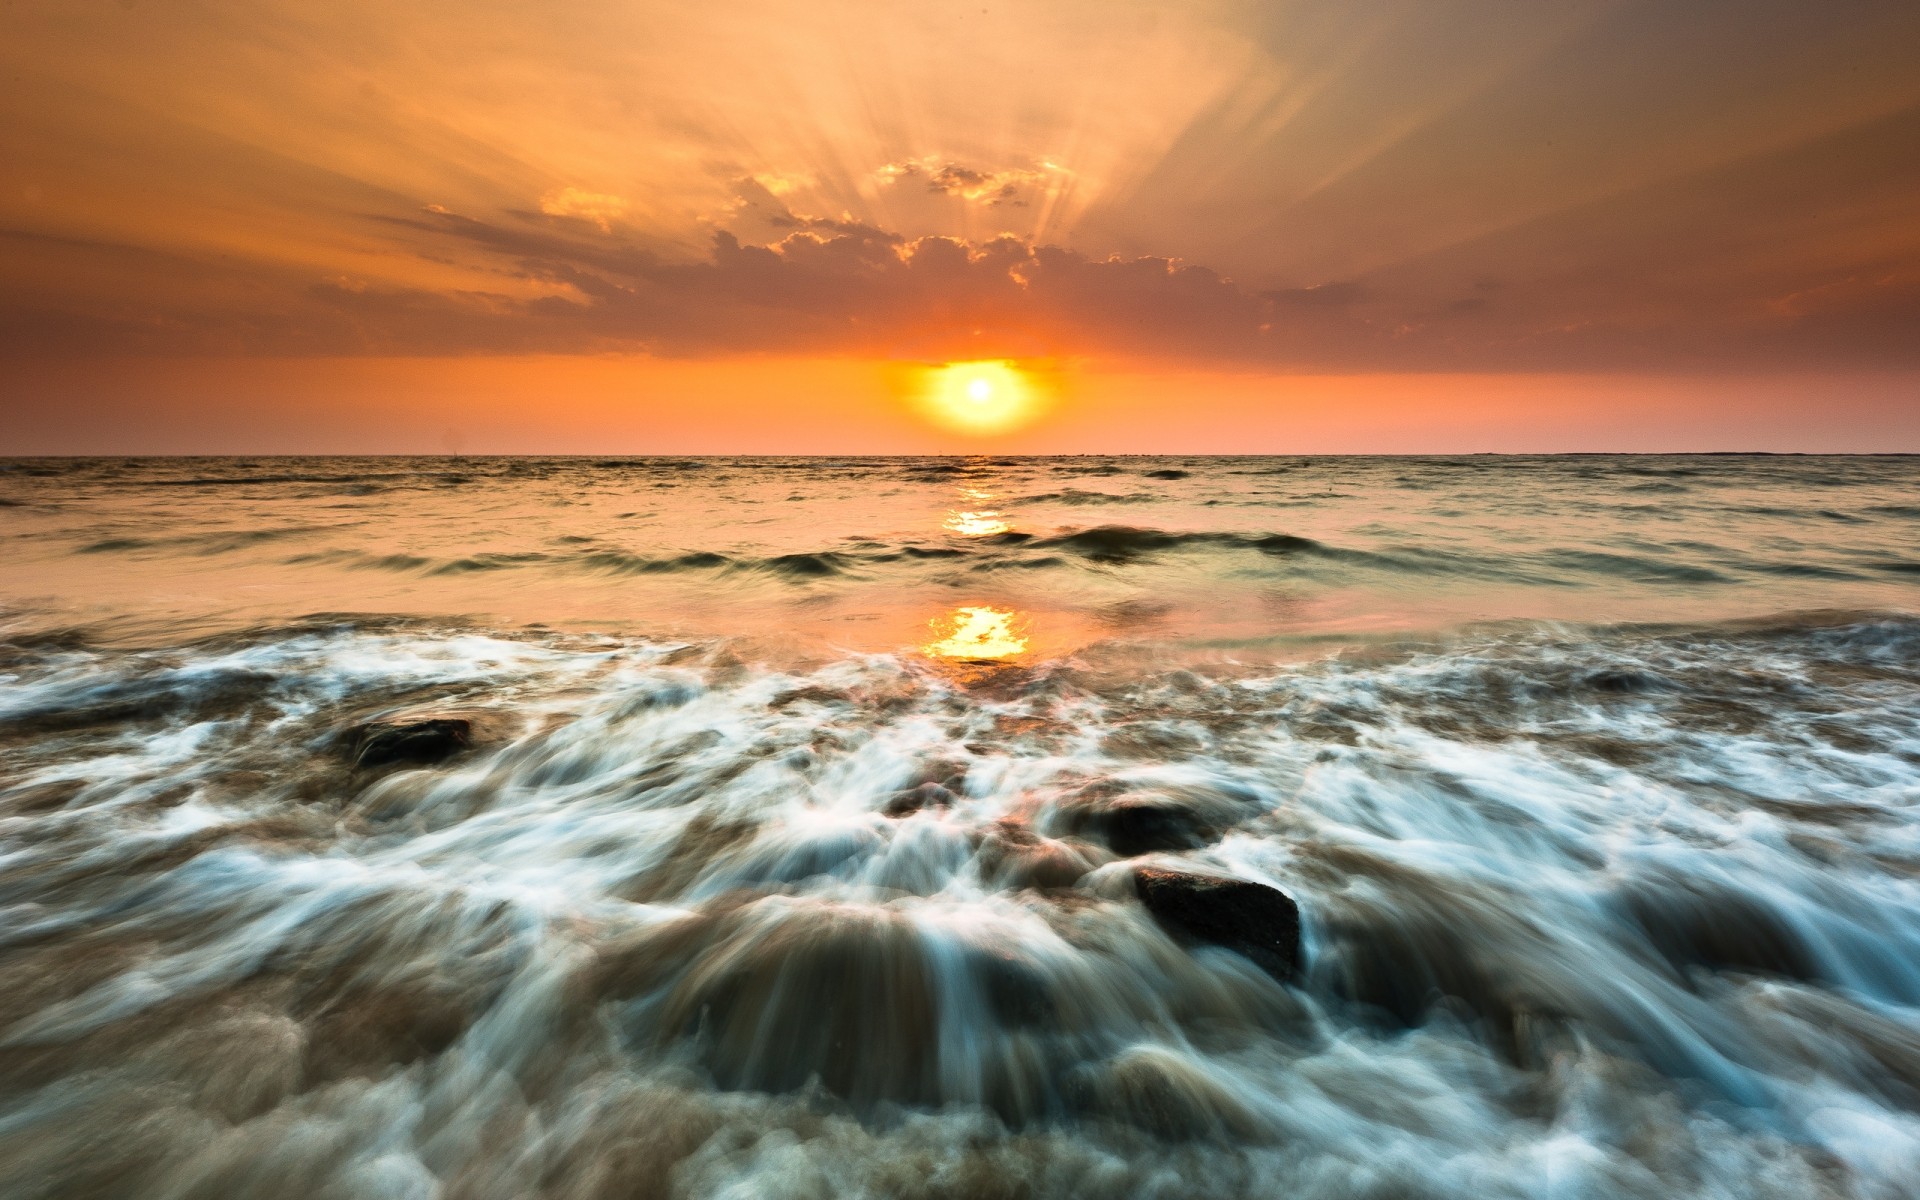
(976, 524)
(987, 397)
(977, 633)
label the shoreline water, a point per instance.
(1595, 796)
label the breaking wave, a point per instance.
(398, 908)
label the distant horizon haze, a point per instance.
(634, 405)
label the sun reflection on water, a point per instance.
(976, 524)
(976, 633)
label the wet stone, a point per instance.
(912, 800)
(1134, 827)
(1015, 990)
(1013, 856)
(1695, 924)
(1621, 682)
(1250, 919)
(423, 742)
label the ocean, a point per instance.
(976, 827)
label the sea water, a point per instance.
(789, 847)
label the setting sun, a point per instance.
(979, 397)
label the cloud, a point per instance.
(1320, 186)
(827, 286)
(847, 288)
(599, 207)
(1627, 282)
(991, 188)
(1337, 294)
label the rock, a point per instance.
(1132, 827)
(1132, 817)
(912, 800)
(1166, 1093)
(1013, 856)
(775, 994)
(1398, 963)
(1628, 682)
(1250, 919)
(433, 740)
(1698, 924)
(937, 784)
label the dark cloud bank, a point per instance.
(1612, 285)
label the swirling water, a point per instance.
(790, 848)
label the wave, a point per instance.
(489, 562)
(650, 464)
(1628, 566)
(1074, 496)
(211, 542)
(1625, 908)
(1102, 546)
(244, 480)
(1124, 543)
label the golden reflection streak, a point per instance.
(976, 633)
(975, 524)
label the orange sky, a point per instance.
(271, 225)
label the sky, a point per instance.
(596, 226)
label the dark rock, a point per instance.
(1398, 964)
(1621, 682)
(1694, 923)
(913, 799)
(1250, 919)
(1013, 856)
(778, 995)
(936, 784)
(1132, 818)
(1164, 1094)
(1425, 949)
(1132, 827)
(1017, 992)
(430, 741)
(811, 694)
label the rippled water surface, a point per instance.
(633, 828)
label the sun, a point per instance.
(987, 397)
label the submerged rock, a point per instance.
(433, 740)
(778, 992)
(1014, 856)
(936, 785)
(1627, 682)
(1166, 1093)
(912, 800)
(1132, 827)
(1250, 919)
(1132, 817)
(1698, 924)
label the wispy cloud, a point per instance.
(1356, 186)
